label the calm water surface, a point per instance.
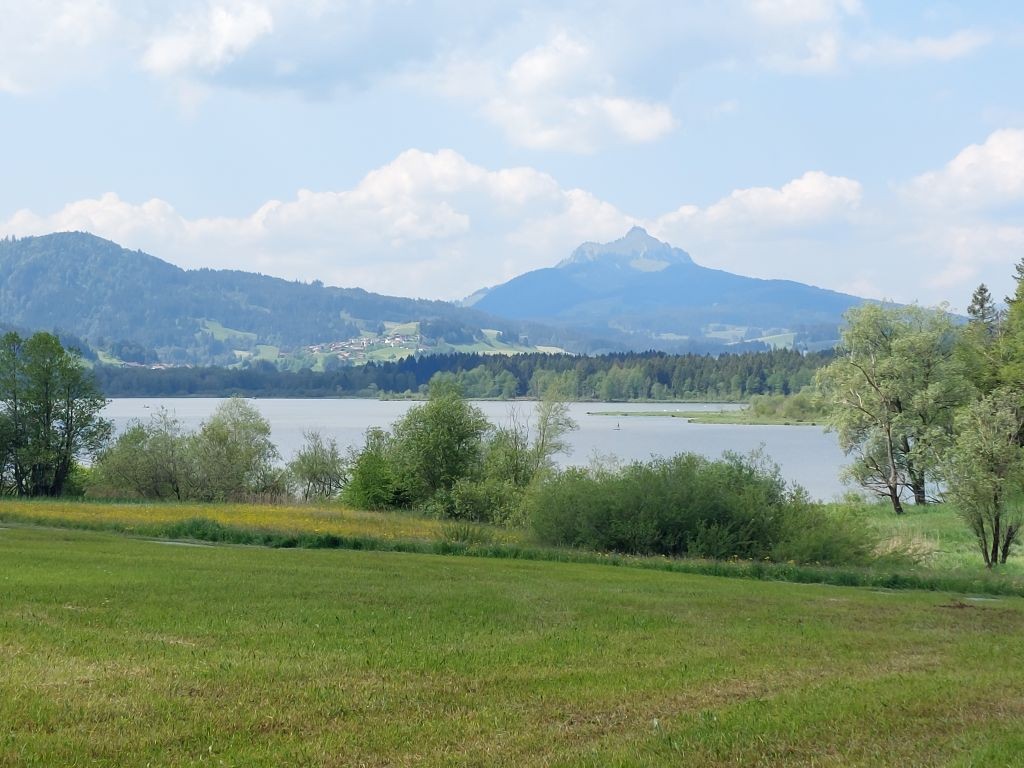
(807, 455)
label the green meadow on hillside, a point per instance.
(125, 651)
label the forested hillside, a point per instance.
(652, 375)
(142, 309)
(134, 308)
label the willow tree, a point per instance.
(891, 393)
(984, 471)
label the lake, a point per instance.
(807, 455)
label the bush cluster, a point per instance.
(801, 406)
(230, 458)
(443, 457)
(736, 507)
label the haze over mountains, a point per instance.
(634, 293)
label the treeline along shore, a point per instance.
(612, 377)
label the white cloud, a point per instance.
(46, 41)
(557, 65)
(637, 121)
(607, 78)
(802, 36)
(954, 46)
(426, 224)
(436, 224)
(974, 254)
(558, 95)
(774, 232)
(813, 198)
(819, 37)
(208, 40)
(988, 174)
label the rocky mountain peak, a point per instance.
(636, 249)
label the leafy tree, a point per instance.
(50, 417)
(373, 483)
(437, 443)
(444, 454)
(507, 455)
(1011, 341)
(891, 394)
(553, 424)
(149, 459)
(518, 451)
(318, 471)
(984, 471)
(8, 435)
(980, 345)
(233, 456)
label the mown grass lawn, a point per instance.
(119, 651)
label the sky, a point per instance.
(432, 148)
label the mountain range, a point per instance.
(142, 309)
(651, 292)
(634, 293)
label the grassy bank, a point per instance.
(935, 533)
(149, 519)
(948, 561)
(120, 651)
(738, 416)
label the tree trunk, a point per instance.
(1008, 539)
(916, 477)
(996, 539)
(979, 531)
(893, 480)
(917, 485)
(894, 497)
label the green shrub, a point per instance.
(486, 501)
(373, 483)
(689, 505)
(812, 535)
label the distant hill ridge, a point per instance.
(652, 291)
(635, 293)
(101, 292)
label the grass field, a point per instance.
(935, 532)
(946, 554)
(267, 352)
(221, 333)
(405, 329)
(119, 651)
